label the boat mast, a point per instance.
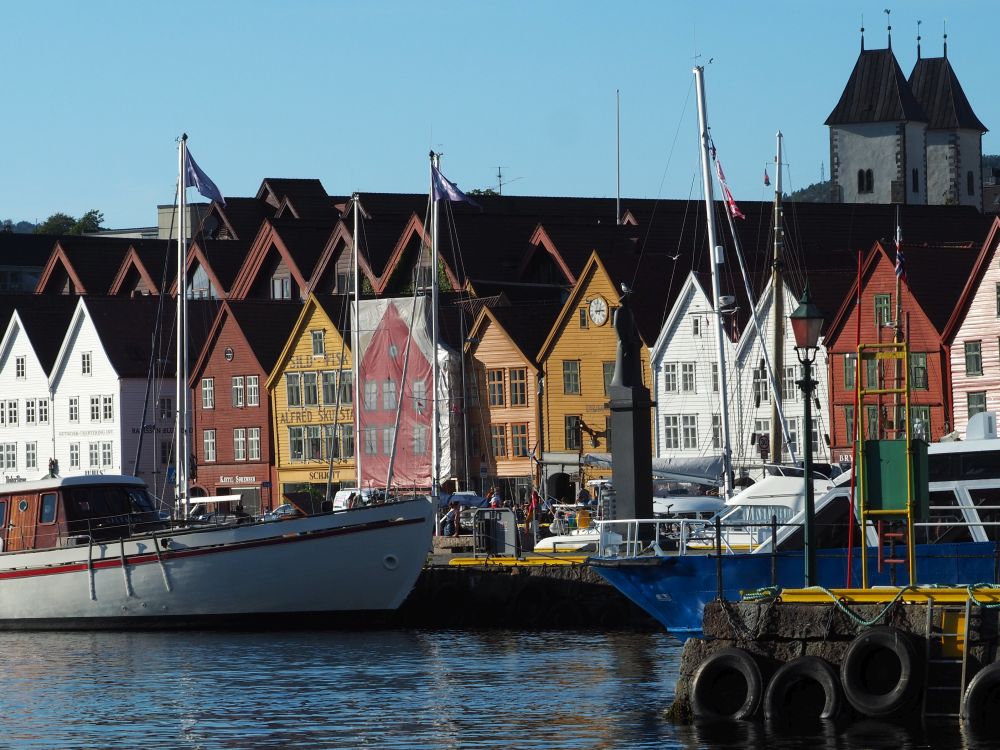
(435, 438)
(716, 260)
(778, 323)
(182, 449)
(355, 349)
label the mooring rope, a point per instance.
(972, 595)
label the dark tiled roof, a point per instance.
(279, 188)
(266, 324)
(45, 322)
(305, 240)
(159, 258)
(528, 324)
(936, 276)
(125, 327)
(226, 258)
(936, 87)
(95, 260)
(876, 92)
(26, 249)
(338, 309)
(245, 215)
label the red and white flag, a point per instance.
(767, 180)
(734, 210)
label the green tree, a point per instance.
(58, 223)
(89, 222)
(7, 226)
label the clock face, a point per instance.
(599, 311)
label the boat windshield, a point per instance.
(757, 514)
(108, 511)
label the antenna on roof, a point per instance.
(862, 32)
(945, 24)
(888, 24)
(918, 39)
(618, 155)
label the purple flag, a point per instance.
(447, 190)
(194, 177)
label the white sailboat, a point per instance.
(92, 552)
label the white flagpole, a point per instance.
(180, 428)
(359, 444)
(435, 437)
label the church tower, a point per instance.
(954, 133)
(878, 135)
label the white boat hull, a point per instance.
(349, 563)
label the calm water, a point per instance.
(382, 690)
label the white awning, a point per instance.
(702, 470)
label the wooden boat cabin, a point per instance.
(64, 512)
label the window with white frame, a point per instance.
(43, 411)
(716, 431)
(793, 437)
(670, 377)
(346, 388)
(238, 391)
(788, 389)
(371, 441)
(86, 363)
(29, 411)
(318, 346)
(347, 441)
(95, 408)
(419, 396)
(107, 408)
(208, 444)
(74, 408)
(328, 385)
(295, 443)
(973, 357)
(760, 389)
(253, 443)
(314, 443)
(696, 326)
(760, 427)
(689, 430)
(74, 455)
(165, 406)
(12, 413)
(688, 381)
(672, 432)
(107, 453)
(94, 454)
(715, 377)
(19, 368)
(253, 390)
(571, 376)
(387, 434)
(31, 455)
(10, 455)
(240, 444)
(498, 440)
(208, 393)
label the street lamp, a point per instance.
(807, 321)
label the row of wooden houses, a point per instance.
(530, 289)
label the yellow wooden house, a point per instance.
(577, 362)
(311, 392)
(504, 396)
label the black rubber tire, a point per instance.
(727, 685)
(803, 690)
(879, 673)
(981, 702)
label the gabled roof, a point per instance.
(239, 219)
(265, 324)
(155, 261)
(936, 87)
(340, 241)
(45, 325)
(332, 306)
(877, 91)
(274, 190)
(526, 324)
(987, 252)
(30, 250)
(299, 242)
(90, 262)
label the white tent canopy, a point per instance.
(702, 470)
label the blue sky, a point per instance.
(356, 93)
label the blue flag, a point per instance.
(194, 177)
(447, 190)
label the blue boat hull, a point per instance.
(675, 590)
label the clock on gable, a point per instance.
(599, 311)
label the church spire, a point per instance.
(862, 32)
(946, 39)
(888, 24)
(918, 39)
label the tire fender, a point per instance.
(982, 697)
(727, 685)
(879, 672)
(791, 696)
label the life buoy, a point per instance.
(981, 701)
(727, 685)
(803, 690)
(878, 672)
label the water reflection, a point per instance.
(390, 689)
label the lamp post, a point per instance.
(807, 321)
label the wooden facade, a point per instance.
(311, 416)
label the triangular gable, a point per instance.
(414, 229)
(81, 317)
(268, 239)
(485, 318)
(221, 317)
(196, 257)
(132, 265)
(56, 271)
(339, 242)
(690, 288)
(594, 266)
(986, 254)
(305, 315)
(540, 240)
(15, 328)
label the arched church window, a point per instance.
(861, 180)
(869, 181)
(970, 183)
(916, 180)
